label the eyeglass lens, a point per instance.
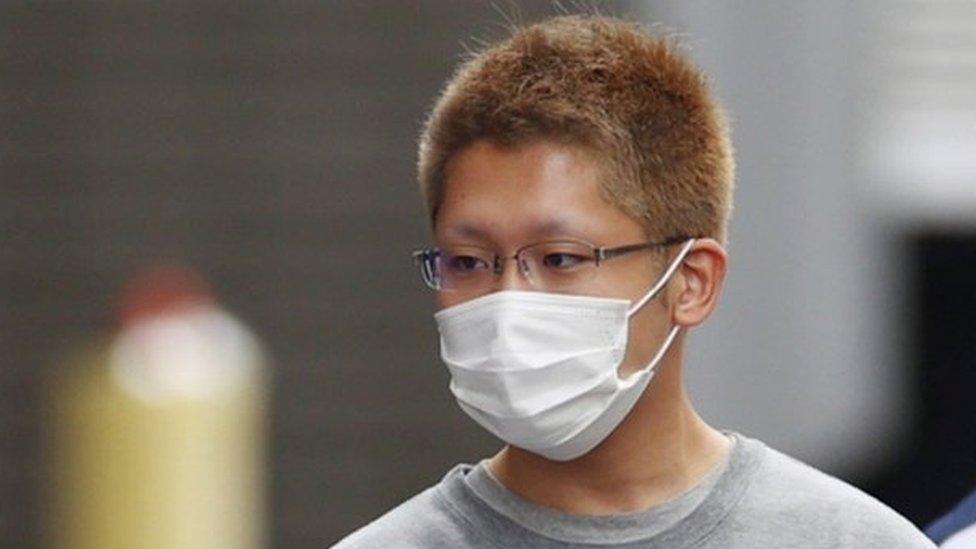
(554, 265)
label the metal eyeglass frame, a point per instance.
(425, 258)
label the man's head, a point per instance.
(584, 129)
(602, 85)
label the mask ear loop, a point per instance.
(673, 332)
(664, 278)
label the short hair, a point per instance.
(611, 87)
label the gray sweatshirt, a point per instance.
(756, 498)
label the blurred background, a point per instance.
(271, 148)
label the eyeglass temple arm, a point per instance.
(665, 277)
(607, 253)
(423, 260)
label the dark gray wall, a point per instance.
(271, 146)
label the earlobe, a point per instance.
(702, 273)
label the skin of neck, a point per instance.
(661, 449)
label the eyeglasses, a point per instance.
(557, 265)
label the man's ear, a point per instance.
(700, 279)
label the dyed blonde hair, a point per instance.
(629, 97)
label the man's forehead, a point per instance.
(538, 191)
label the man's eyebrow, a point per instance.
(550, 227)
(466, 230)
(553, 227)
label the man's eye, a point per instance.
(465, 263)
(562, 260)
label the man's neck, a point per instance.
(661, 449)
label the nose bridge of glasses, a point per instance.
(516, 276)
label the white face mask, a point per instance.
(539, 370)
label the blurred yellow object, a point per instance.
(158, 437)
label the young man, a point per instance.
(579, 179)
